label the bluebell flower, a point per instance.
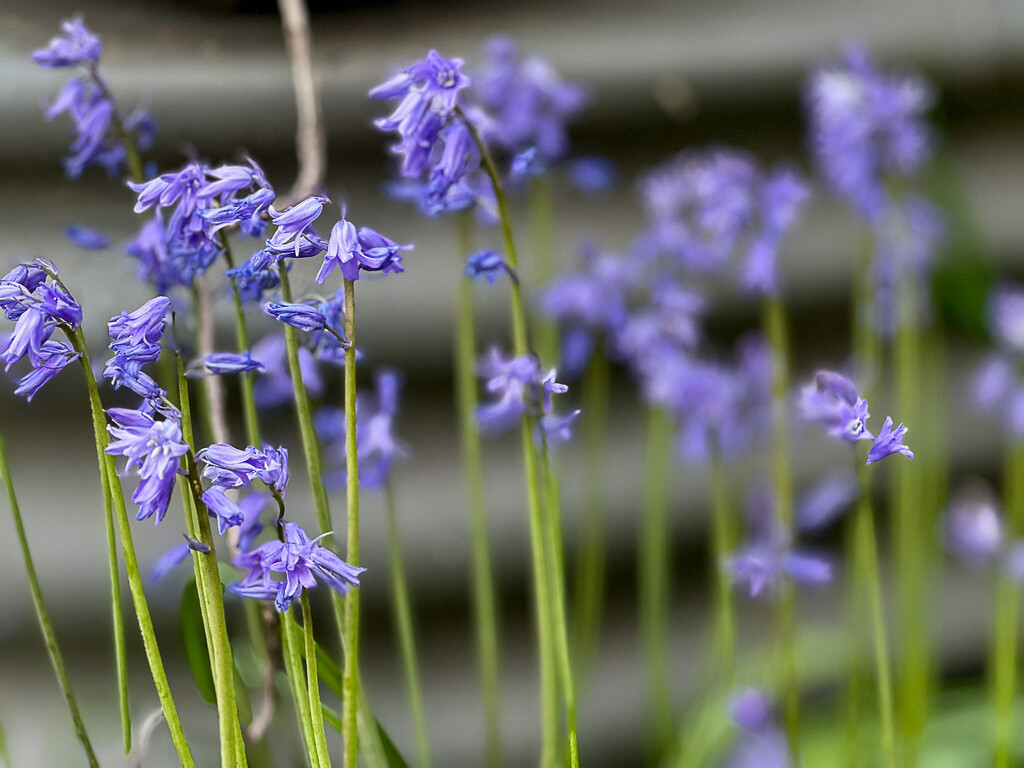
(17, 287)
(888, 442)
(30, 333)
(229, 467)
(591, 175)
(251, 507)
(51, 359)
(295, 219)
(155, 448)
(221, 363)
(353, 250)
(255, 277)
(305, 317)
(833, 400)
(519, 386)
(175, 556)
(87, 238)
(486, 264)
(136, 338)
(222, 508)
(761, 567)
(300, 560)
(973, 526)
(530, 104)
(77, 45)
(761, 743)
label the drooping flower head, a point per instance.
(519, 386)
(761, 743)
(221, 363)
(153, 447)
(135, 342)
(833, 400)
(77, 45)
(300, 560)
(354, 251)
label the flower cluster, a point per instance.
(173, 249)
(436, 144)
(99, 130)
(32, 296)
(708, 208)
(376, 445)
(998, 387)
(762, 743)
(229, 468)
(528, 103)
(300, 560)
(135, 342)
(519, 386)
(155, 447)
(834, 401)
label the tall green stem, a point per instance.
(350, 702)
(653, 580)
(868, 547)
(56, 658)
(556, 571)
(149, 642)
(778, 336)
(406, 634)
(590, 567)
(722, 541)
(542, 224)
(1007, 624)
(316, 712)
(910, 534)
(485, 612)
(292, 660)
(520, 345)
(232, 749)
(246, 378)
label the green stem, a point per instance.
(406, 634)
(556, 570)
(485, 611)
(869, 552)
(776, 330)
(1007, 625)
(722, 541)
(590, 567)
(246, 378)
(212, 591)
(316, 712)
(350, 701)
(56, 658)
(909, 534)
(292, 659)
(653, 578)
(520, 345)
(149, 642)
(858, 674)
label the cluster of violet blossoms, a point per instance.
(228, 468)
(520, 387)
(710, 208)
(870, 138)
(32, 296)
(98, 128)
(190, 207)
(998, 386)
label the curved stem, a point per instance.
(406, 633)
(56, 658)
(350, 702)
(316, 712)
(485, 612)
(149, 642)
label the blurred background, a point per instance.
(662, 76)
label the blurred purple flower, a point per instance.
(87, 238)
(974, 528)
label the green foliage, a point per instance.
(193, 639)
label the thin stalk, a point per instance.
(56, 658)
(909, 534)
(590, 567)
(556, 569)
(149, 642)
(858, 673)
(542, 224)
(406, 634)
(1007, 624)
(722, 540)
(520, 345)
(869, 552)
(778, 335)
(292, 658)
(232, 752)
(246, 378)
(316, 712)
(653, 579)
(485, 612)
(350, 700)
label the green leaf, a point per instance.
(193, 637)
(327, 670)
(394, 757)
